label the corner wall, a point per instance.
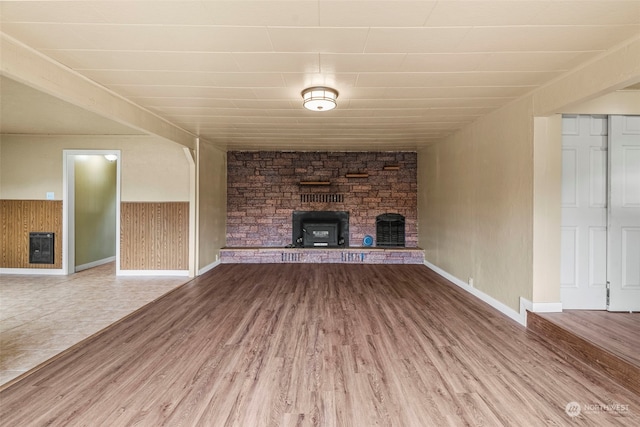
(212, 204)
(488, 200)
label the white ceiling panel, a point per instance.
(50, 11)
(609, 12)
(489, 78)
(155, 91)
(175, 78)
(443, 62)
(157, 103)
(484, 13)
(145, 60)
(169, 38)
(463, 91)
(278, 62)
(375, 13)
(224, 13)
(362, 62)
(414, 40)
(327, 40)
(232, 71)
(546, 38)
(533, 61)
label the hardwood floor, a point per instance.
(608, 342)
(40, 316)
(618, 332)
(315, 344)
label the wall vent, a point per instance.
(353, 257)
(322, 198)
(291, 257)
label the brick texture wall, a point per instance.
(264, 189)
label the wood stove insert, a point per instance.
(324, 229)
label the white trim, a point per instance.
(95, 263)
(38, 271)
(525, 304)
(192, 211)
(209, 267)
(538, 307)
(184, 273)
(546, 307)
(501, 307)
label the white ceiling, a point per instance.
(408, 72)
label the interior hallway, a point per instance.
(41, 316)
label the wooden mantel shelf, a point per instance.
(315, 182)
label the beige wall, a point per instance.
(489, 195)
(153, 169)
(475, 204)
(95, 209)
(212, 203)
(547, 178)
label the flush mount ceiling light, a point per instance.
(111, 157)
(319, 98)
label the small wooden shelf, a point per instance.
(315, 182)
(357, 175)
(391, 168)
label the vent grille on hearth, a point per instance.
(322, 198)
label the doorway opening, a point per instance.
(91, 209)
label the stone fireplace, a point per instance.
(265, 188)
(324, 229)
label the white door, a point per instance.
(624, 213)
(584, 212)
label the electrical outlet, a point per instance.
(471, 281)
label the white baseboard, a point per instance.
(501, 307)
(538, 307)
(40, 271)
(209, 267)
(95, 263)
(180, 273)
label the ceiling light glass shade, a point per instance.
(319, 98)
(111, 157)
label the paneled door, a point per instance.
(584, 212)
(624, 213)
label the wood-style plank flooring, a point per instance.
(40, 316)
(619, 333)
(315, 344)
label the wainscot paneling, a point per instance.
(20, 217)
(154, 236)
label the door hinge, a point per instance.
(608, 292)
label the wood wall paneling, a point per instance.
(154, 236)
(20, 217)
